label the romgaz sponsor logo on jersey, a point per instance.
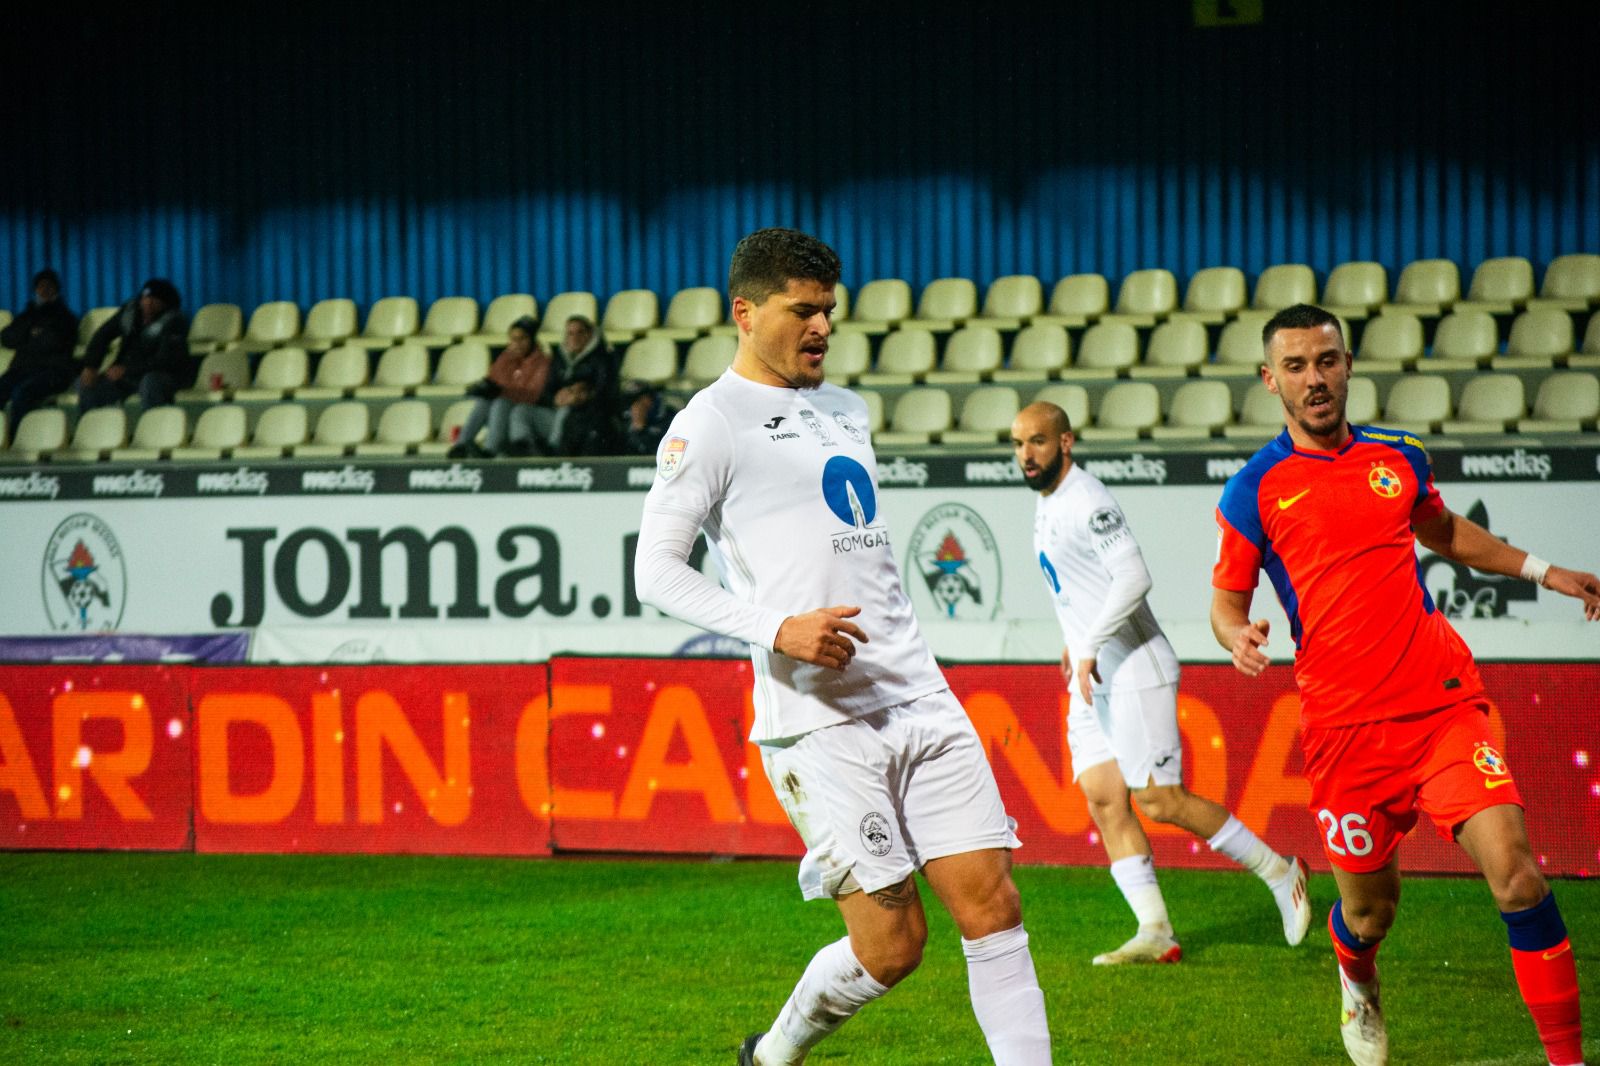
(849, 493)
(241, 482)
(1519, 464)
(1135, 469)
(953, 565)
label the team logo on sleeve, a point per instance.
(85, 582)
(671, 456)
(954, 552)
(1384, 482)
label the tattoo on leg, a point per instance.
(897, 897)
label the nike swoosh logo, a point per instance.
(1497, 782)
(1284, 505)
(1558, 952)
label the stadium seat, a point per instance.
(1145, 297)
(90, 324)
(986, 416)
(402, 426)
(972, 354)
(271, 324)
(1260, 415)
(1571, 283)
(946, 303)
(329, 323)
(921, 416)
(401, 370)
(217, 431)
(841, 302)
(849, 356)
(874, 402)
(1361, 405)
(880, 305)
(629, 314)
(653, 360)
(1239, 350)
(5, 317)
(98, 431)
(1499, 286)
(340, 427)
(1464, 340)
(160, 429)
(1108, 348)
(1038, 352)
(1391, 342)
(1417, 403)
(1073, 399)
(1355, 290)
(1567, 402)
(460, 365)
(690, 314)
(1589, 357)
(280, 372)
(1177, 349)
(1214, 295)
(1490, 403)
(709, 357)
(40, 432)
(1538, 338)
(450, 423)
(562, 306)
(1200, 409)
(1427, 289)
(1075, 301)
(1010, 302)
(1284, 285)
(280, 428)
(229, 369)
(1128, 410)
(501, 312)
(450, 319)
(340, 372)
(905, 357)
(214, 327)
(390, 320)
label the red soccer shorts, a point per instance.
(1369, 781)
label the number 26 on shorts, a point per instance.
(1352, 828)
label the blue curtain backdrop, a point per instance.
(258, 152)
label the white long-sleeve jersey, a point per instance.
(784, 483)
(1098, 582)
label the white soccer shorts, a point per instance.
(880, 795)
(1138, 728)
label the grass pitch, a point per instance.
(141, 958)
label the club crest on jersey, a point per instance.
(849, 427)
(814, 424)
(85, 581)
(954, 552)
(875, 834)
(1384, 482)
(1489, 761)
(671, 456)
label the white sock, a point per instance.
(1007, 999)
(1136, 877)
(831, 990)
(1236, 841)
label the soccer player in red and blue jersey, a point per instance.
(1393, 713)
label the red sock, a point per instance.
(1548, 981)
(1360, 964)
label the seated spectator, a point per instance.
(645, 418)
(517, 381)
(577, 420)
(154, 360)
(42, 334)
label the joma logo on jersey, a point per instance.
(954, 551)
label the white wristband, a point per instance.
(1534, 569)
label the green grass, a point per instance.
(118, 958)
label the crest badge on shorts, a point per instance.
(875, 834)
(1489, 761)
(671, 457)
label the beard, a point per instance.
(1325, 420)
(1046, 475)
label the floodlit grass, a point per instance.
(118, 958)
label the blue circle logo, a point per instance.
(847, 490)
(1049, 572)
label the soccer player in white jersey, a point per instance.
(1122, 721)
(870, 754)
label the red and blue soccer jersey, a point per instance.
(1333, 530)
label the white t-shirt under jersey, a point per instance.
(1082, 540)
(784, 483)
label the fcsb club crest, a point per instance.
(954, 552)
(1384, 482)
(1489, 761)
(85, 583)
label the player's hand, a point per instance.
(1086, 670)
(1248, 658)
(822, 637)
(1577, 584)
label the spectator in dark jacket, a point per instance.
(154, 360)
(42, 334)
(577, 417)
(645, 418)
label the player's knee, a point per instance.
(1109, 812)
(1521, 888)
(1160, 803)
(893, 960)
(1368, 919)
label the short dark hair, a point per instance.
(1300, 316)
(765, 261)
